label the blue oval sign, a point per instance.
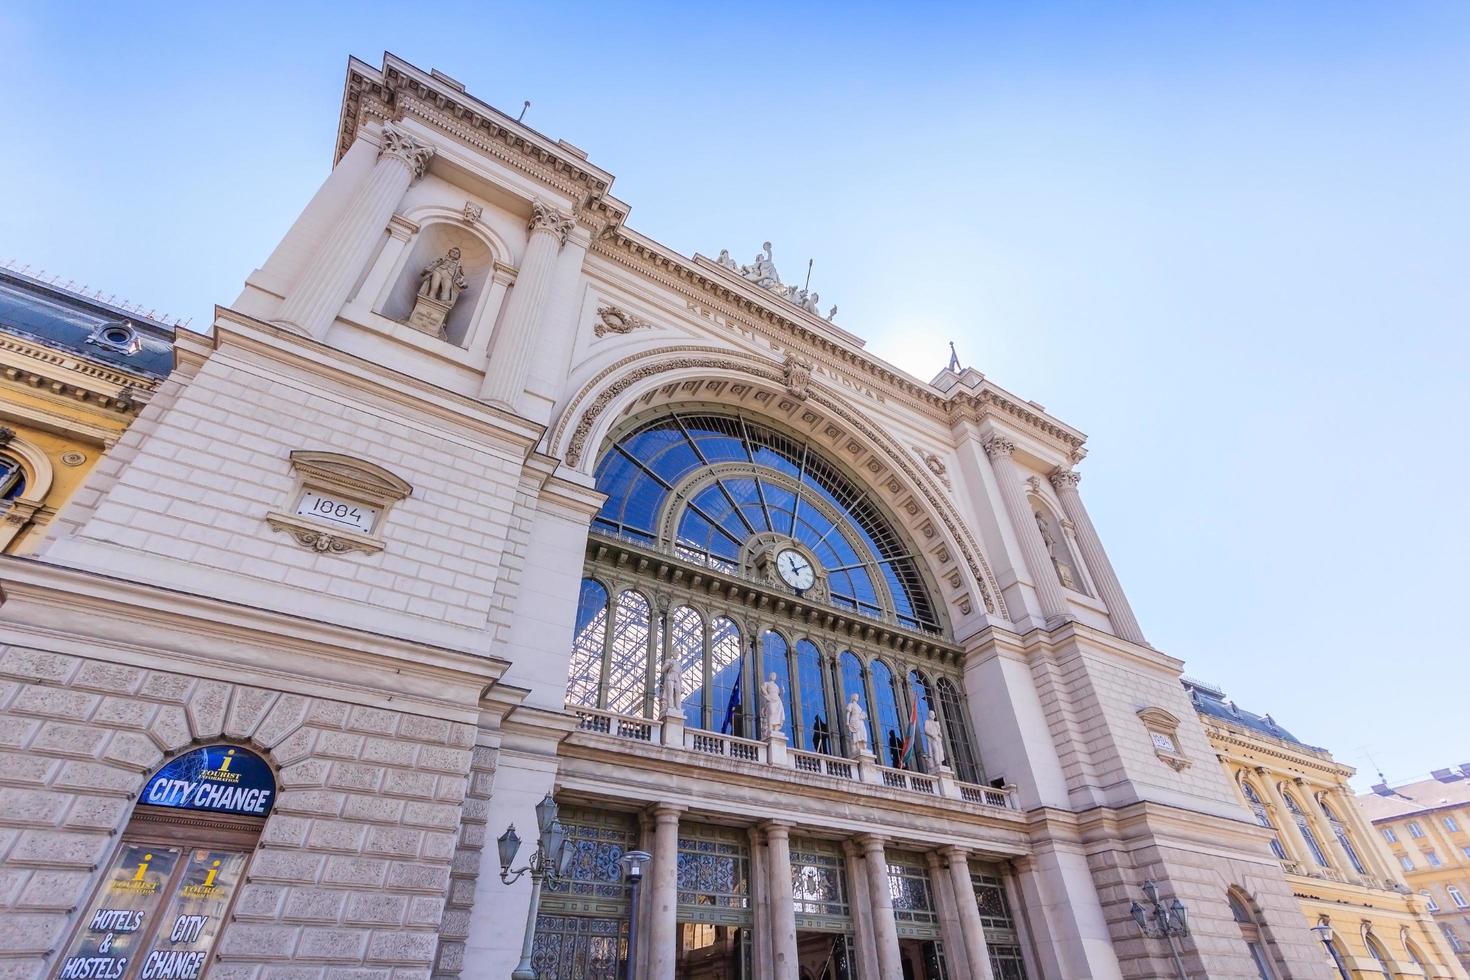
(215, 779)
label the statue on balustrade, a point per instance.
(857, 726)
(773, 709)
(934, 739)
(669, 685)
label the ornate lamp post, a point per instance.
(549, 861)
(1163, 922)
(1324, 933)
(632, 864)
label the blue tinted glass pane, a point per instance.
(717, 507)
(774, 661)
(919, 691)
(890, 731)
(698, 533)
(726, 710)
(852, 683)
(584, 677)
(664, 450)
(814, 726)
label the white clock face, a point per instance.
(795, 569)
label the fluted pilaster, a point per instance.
(1023, 521)
(320, 292)
(972, 930)
(664, 904)
(784, 964)
(514, 342)
(885, 929)
(1109, 589)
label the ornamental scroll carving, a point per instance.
(614, 319)
(608, 391)
(935, 465)
(410, 149)
(797, 376)
(548, 217)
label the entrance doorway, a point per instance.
(923, 959)
(824, 956)
(712, 952)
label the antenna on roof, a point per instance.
(524, 106)
(954, 359)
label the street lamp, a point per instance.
(1324, 933)
(1163, 922)
(548, 862)
(632, 864)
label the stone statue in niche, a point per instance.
(934, 739)
(1058, 553)
(773, 709)
(441, 283)
(857, 725)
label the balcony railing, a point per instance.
(815, 766)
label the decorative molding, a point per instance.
(344, 479)
(797, 376)
(936, 465)
(414, 152)
(471, 213)
(73, 458)
(548, 217)
(998, 447)
(310, 534)
(1163, 732)
(346, 474)
(614, 319)
(1065, 479)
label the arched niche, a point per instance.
(1064, 561)
(434, 239)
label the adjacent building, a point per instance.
(1333, 860)
(478, 508)
(1425, 826)
(74, 373)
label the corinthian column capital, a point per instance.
(410, 149)
(999, 447)
(550, 218)
(1066, 479)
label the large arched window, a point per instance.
(957, 727)
(1250, 934)
(855, 682)
(775, 660)
(611, 652)
(686, 646)
(889, 748)
(12, 478)
(1263, 817)
(813, 716)
(1379, 954)
(725, 659)
(584, 683)
(922, 757)
(704, 485)
(1304, 828)
(1343, 838)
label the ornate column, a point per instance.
(1023, 522)
(972, 930)
(1096, 559)
(664, 901)
(1287, 830)
(513, 343)
(952, 939)
(885, 929)
(319, 293)
(783, 911)
(862, 910)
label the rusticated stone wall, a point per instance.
(353, 868)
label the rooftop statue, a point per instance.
(762, 272)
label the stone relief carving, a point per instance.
(935, 465)
(762, 272)
(319, 540)
(410, 149)
(551, 218)
(798, 376)
(613, 319)
(472, 212)
(442, 281)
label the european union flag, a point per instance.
(733, 707)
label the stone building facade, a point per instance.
(1339, 871)
(74, 372)
(475, 497)
(1425, 825)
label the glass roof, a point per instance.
(771, 483)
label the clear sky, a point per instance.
(1229, 241)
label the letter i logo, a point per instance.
(224, 765)
(213, 873)
(142, 867)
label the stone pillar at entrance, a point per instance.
(664, 902)
(956, 956)
(880, 899)
(862, 909)
(317, 298)
(972, 931)
(760, 901)
(783, 911)
(1023, 521)
(1125, 624)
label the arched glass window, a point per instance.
(957, 727)
(889, 747)
(627, 661)
(726, 712)
(584, 681)
(766, 482)
(1305, 829)
(775, 659)
(686, 646)
(814, 725)
(1263, 817)
(1250, 934)
(12, 478)
(920, 759)
(1379, 954)
(1342, 837)
(854, 681)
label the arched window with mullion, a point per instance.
(1343, 837)
(589, 646)
(776, 659)
(814, 721)
(855, 681)
(964, 759)
(1263, 817)
(625, 688)
(726, 712)
(885, 716)
(1304, 829)
(923, 758)
(687, 647)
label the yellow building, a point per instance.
(1351, 891)
(74, 373)
(1426, 826)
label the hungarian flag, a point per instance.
(909, 757)
(732, 708)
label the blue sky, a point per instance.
(1229, 241)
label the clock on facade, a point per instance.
(795, 569)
